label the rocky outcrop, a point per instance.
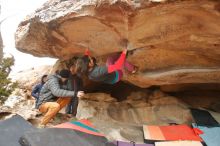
(19, 102)
(171, 42)
(28, 78)
(157, 108)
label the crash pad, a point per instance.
(123, 143)
(62, 137)
(12, 129)
(81, 125)
(179, 143)
(204, 118)
(211, 135)
(169, 133)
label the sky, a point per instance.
(16, 11)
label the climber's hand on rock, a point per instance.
(87, 52)
(125, 51)
(80, 94)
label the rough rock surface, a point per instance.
(28, 78)
(21, 103)
(172, 42)
(153, 109)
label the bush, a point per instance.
(6, 85)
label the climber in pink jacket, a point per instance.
(111, 72)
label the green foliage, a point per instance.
(6, 85)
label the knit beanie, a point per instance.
(64, 73)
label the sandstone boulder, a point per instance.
(172, 42)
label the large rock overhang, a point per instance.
(171, 43)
